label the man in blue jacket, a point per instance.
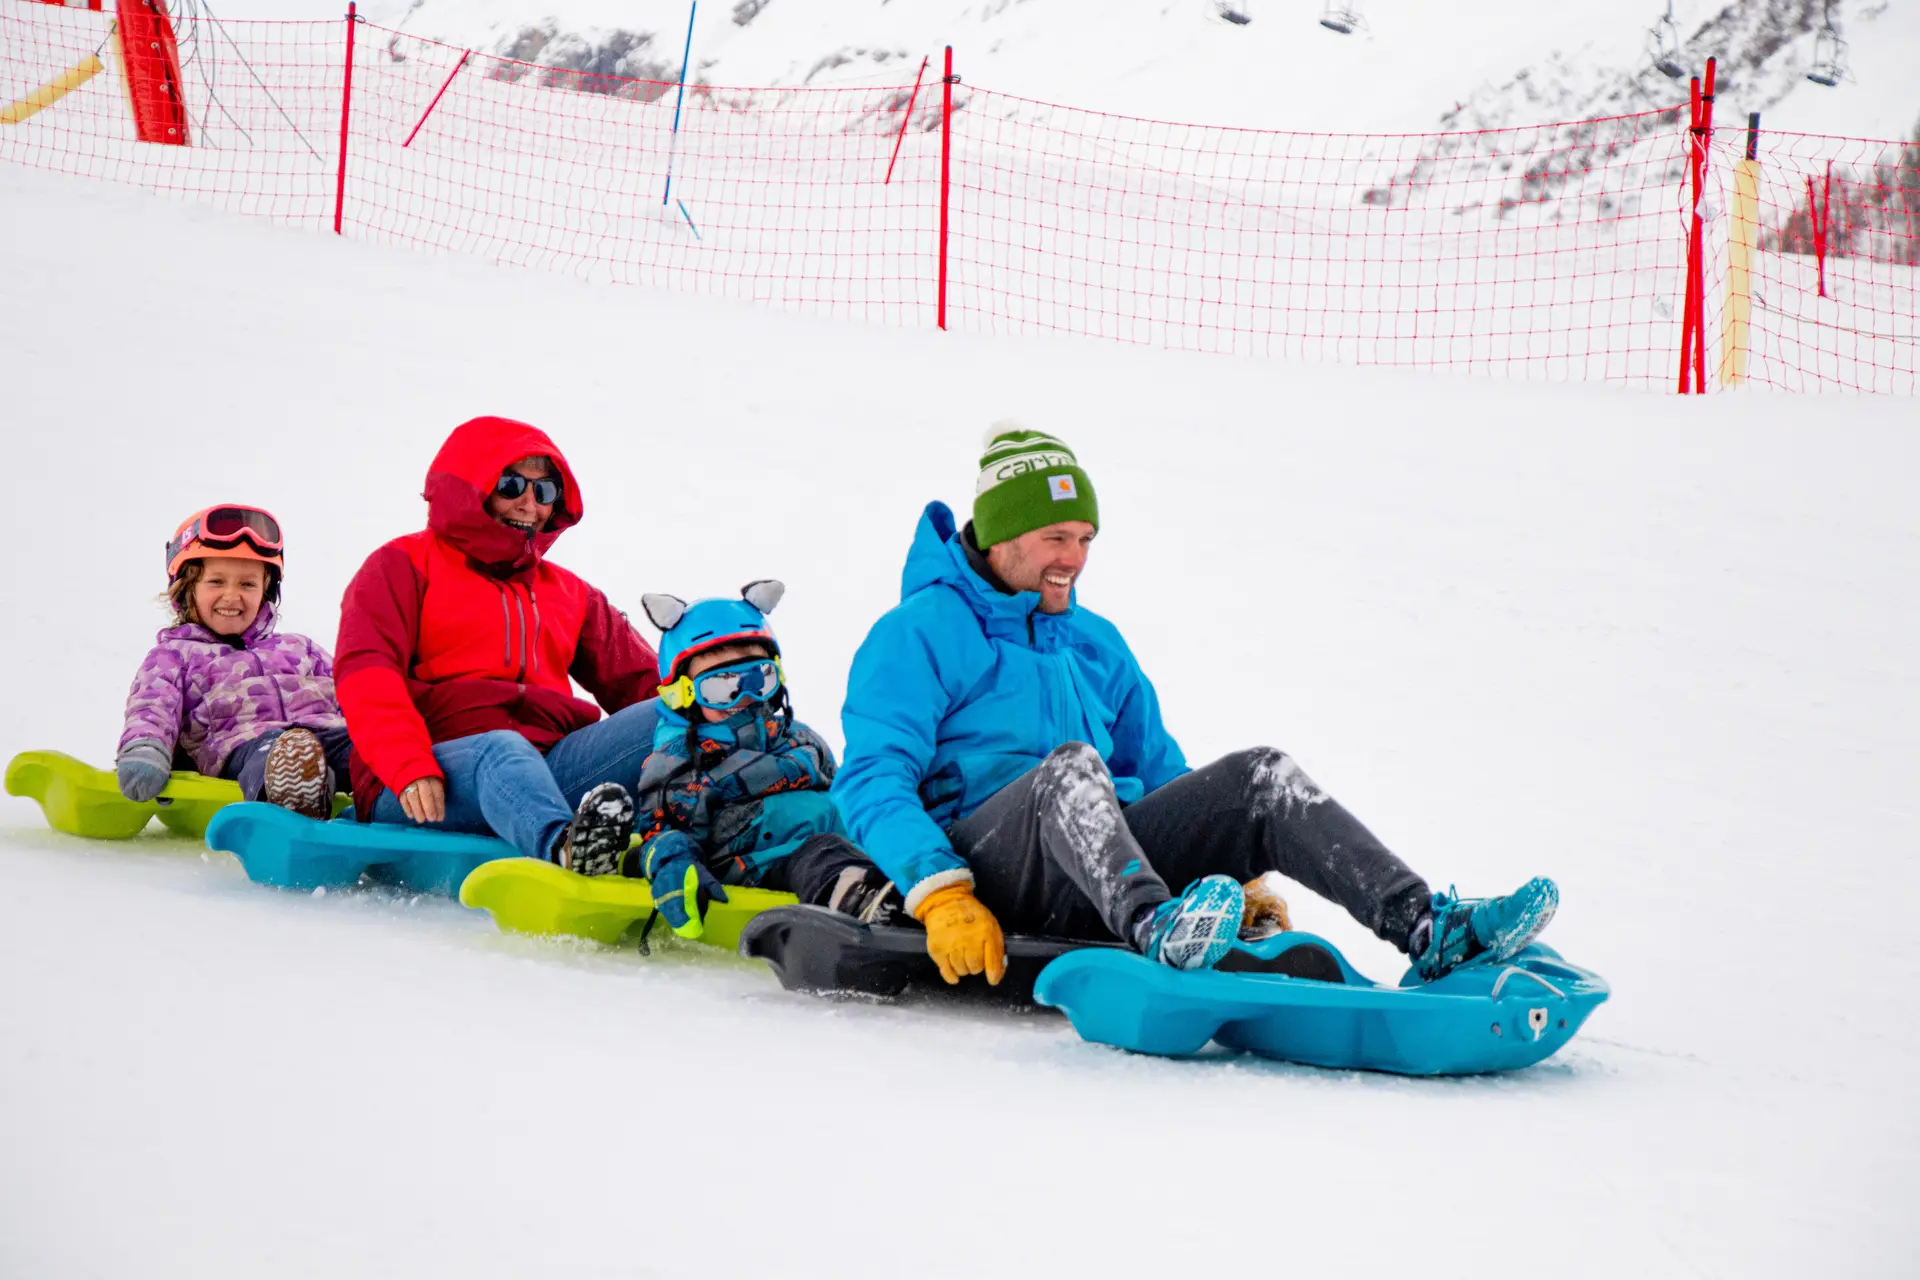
(1006, 761)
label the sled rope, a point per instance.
(1512, 969)
(646, 929)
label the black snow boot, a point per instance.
(600, 832)
(866, 894)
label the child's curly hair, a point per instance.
(179, 596)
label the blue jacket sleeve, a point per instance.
(1142, 747)
(896, 700)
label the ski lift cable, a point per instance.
(221, 27)
(1342, 16)
(191, 50)
(1829, 52)
(196, 12)
(1663, 46)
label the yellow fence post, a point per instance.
(1737, 333)
(52, 91)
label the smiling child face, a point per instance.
(228, 596)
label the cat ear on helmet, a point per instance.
(764, 593)
(663, 610)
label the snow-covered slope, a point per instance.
(1766, 48)
(1660, 649)
(1414, 65)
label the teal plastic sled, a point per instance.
(1294, 997)
(280, 848)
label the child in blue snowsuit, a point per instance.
(735, 789)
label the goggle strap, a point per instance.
(196, 536)
(680, 694)
(677, 695)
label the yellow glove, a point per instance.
(962, 935)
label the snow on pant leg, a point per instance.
(1051, 852)
(1255, 811)
(609, 750)
(497, 784)
(246, 764)
(810, 872)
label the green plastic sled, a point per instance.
(84, 801)
(526, 895)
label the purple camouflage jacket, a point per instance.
(205, 697)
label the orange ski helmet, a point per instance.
(242, 532)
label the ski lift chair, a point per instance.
(1341, 17)
(1663, 47)
(1829, 58)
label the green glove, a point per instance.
(682, 885)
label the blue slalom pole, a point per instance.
(678, 97)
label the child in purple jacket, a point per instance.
(222, 688)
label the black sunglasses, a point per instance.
(546, 490)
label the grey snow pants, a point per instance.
(1054, 852)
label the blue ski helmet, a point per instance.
(687, 629)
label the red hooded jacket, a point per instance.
(466, 627)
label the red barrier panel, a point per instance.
(150, 57)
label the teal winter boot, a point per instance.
(1481, 930)
(1194, 930)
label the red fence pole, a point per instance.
(904, 120)
(1688, 317)
(1826, 226)
(346, 106)
(1693, 326)
(1699, 254)
(464, 55)
(946, 170)
(1819, 235)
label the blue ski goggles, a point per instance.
(724, 688)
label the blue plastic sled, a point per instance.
(283, 849)
(1295, 997)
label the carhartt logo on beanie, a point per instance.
(1028, 480)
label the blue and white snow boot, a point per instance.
(1481, 930)
(1195, 929)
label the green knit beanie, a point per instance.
(1028, 480)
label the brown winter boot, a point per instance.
(297, 775)
(1266, 911)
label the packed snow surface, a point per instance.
(1660, 649)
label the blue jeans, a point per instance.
(499, 784)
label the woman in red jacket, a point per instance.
(458, 650)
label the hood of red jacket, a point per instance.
(461, 477)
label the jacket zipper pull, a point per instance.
(533, 649)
